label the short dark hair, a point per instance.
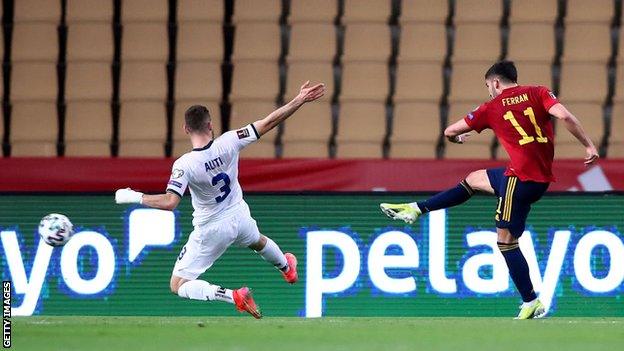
(197, 118)
(504, 70)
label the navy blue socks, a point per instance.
(518, 270)
(449, 198)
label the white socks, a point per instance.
(202, 290)
(274, 255)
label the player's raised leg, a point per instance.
(284, 262)
(409, 212)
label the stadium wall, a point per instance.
(353, 261)
(151, 175)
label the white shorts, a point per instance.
(209, 241)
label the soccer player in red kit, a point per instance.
(520, 118)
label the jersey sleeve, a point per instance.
(548, 99)
(178, 181)
(239, 139)
(477, 120)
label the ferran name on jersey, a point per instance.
(515, 99)
(212, 164)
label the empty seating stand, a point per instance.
(114, 78)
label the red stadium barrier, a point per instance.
(151, 175)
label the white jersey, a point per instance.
(211, 174)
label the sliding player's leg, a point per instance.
(249, 236)
(475, 181)
(286, 263)
(202, 249)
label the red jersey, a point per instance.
(519, 118)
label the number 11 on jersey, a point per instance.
(509, 116)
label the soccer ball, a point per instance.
(56, 229)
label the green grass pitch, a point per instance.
(297, 334)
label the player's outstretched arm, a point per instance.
(167, 201)
(458, 132)
(306, 94)
(573, 125)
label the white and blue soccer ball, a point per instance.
(56, 229)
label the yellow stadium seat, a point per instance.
(587, 42)
(142, 129)
(259, 149)
(415, 130)
(322, 11)
(88, 128)
(423, 42)
(37, 10)
(145, 41)
(354, 141)
(598, 11)
(487, 11)
(35, 42)
(256, 41)
(312, 42)
(374, 11)
(144, 10)
(477, 42)
(246, 112)
(315, 72)
(419, 82)
(478, 147)
(591, 117)
(358, 39)
(616, 140)
(619, 84)
(255, 80)
(421, 11)
(201, 10)
(583, 82)
(198, 80)
(34, 81)
(364, 81)
(307, 133)
(468, 82)
(143, 80)
(90, 41)
(34, 129)
(534, 73)
(88, 81)
(200, 41)
(532, 42)
(89, 11)
(257, 11)
(533, 11)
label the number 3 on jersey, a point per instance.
(525, 137)
(225, 189)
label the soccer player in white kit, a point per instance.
(221, 217)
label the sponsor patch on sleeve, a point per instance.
(242, 133)
(176, 173)
(174, 183)
(470, 116)
(552, 95)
